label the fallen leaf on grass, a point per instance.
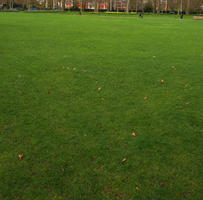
(49, 92)
(124, 160)
(162, 81)
(181, 72)
(162, 183)
(173, 68)
(74, 69)
(20, 156)
(145, 98)
(99, 89)
(137, 188)
(11, 123)
(133, 134)
(154, 56)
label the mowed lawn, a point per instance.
(74, 136)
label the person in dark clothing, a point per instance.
(141, 15)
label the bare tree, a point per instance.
(142, 5)
(96, 6)
(28, 4)
(188, 7)
(158, 6)
(53, 4)
(110, 5)
(127, 6)
(154, 6)
(62, 5)
(138, 5)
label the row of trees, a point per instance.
(158, 6)
(155, 6)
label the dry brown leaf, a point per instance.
(99, 89)
(145, 98)
(133, 134)
(162, 183)
(137, 188)
(11, 123)
(20, 156)
(162, 81)
(124, 160)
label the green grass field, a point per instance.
(73, 137)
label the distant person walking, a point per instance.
(141, 15)
(181, 15)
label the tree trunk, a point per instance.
(96, 6)
(81, 5)
(53, 4)
(166, 8)
(127, 6)
(142, 6)
(110, 7)
(154, 6)
(181, 6)
(23, 4)
(63, 5)
(158, 9)
(28, 4)
(188, 7)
